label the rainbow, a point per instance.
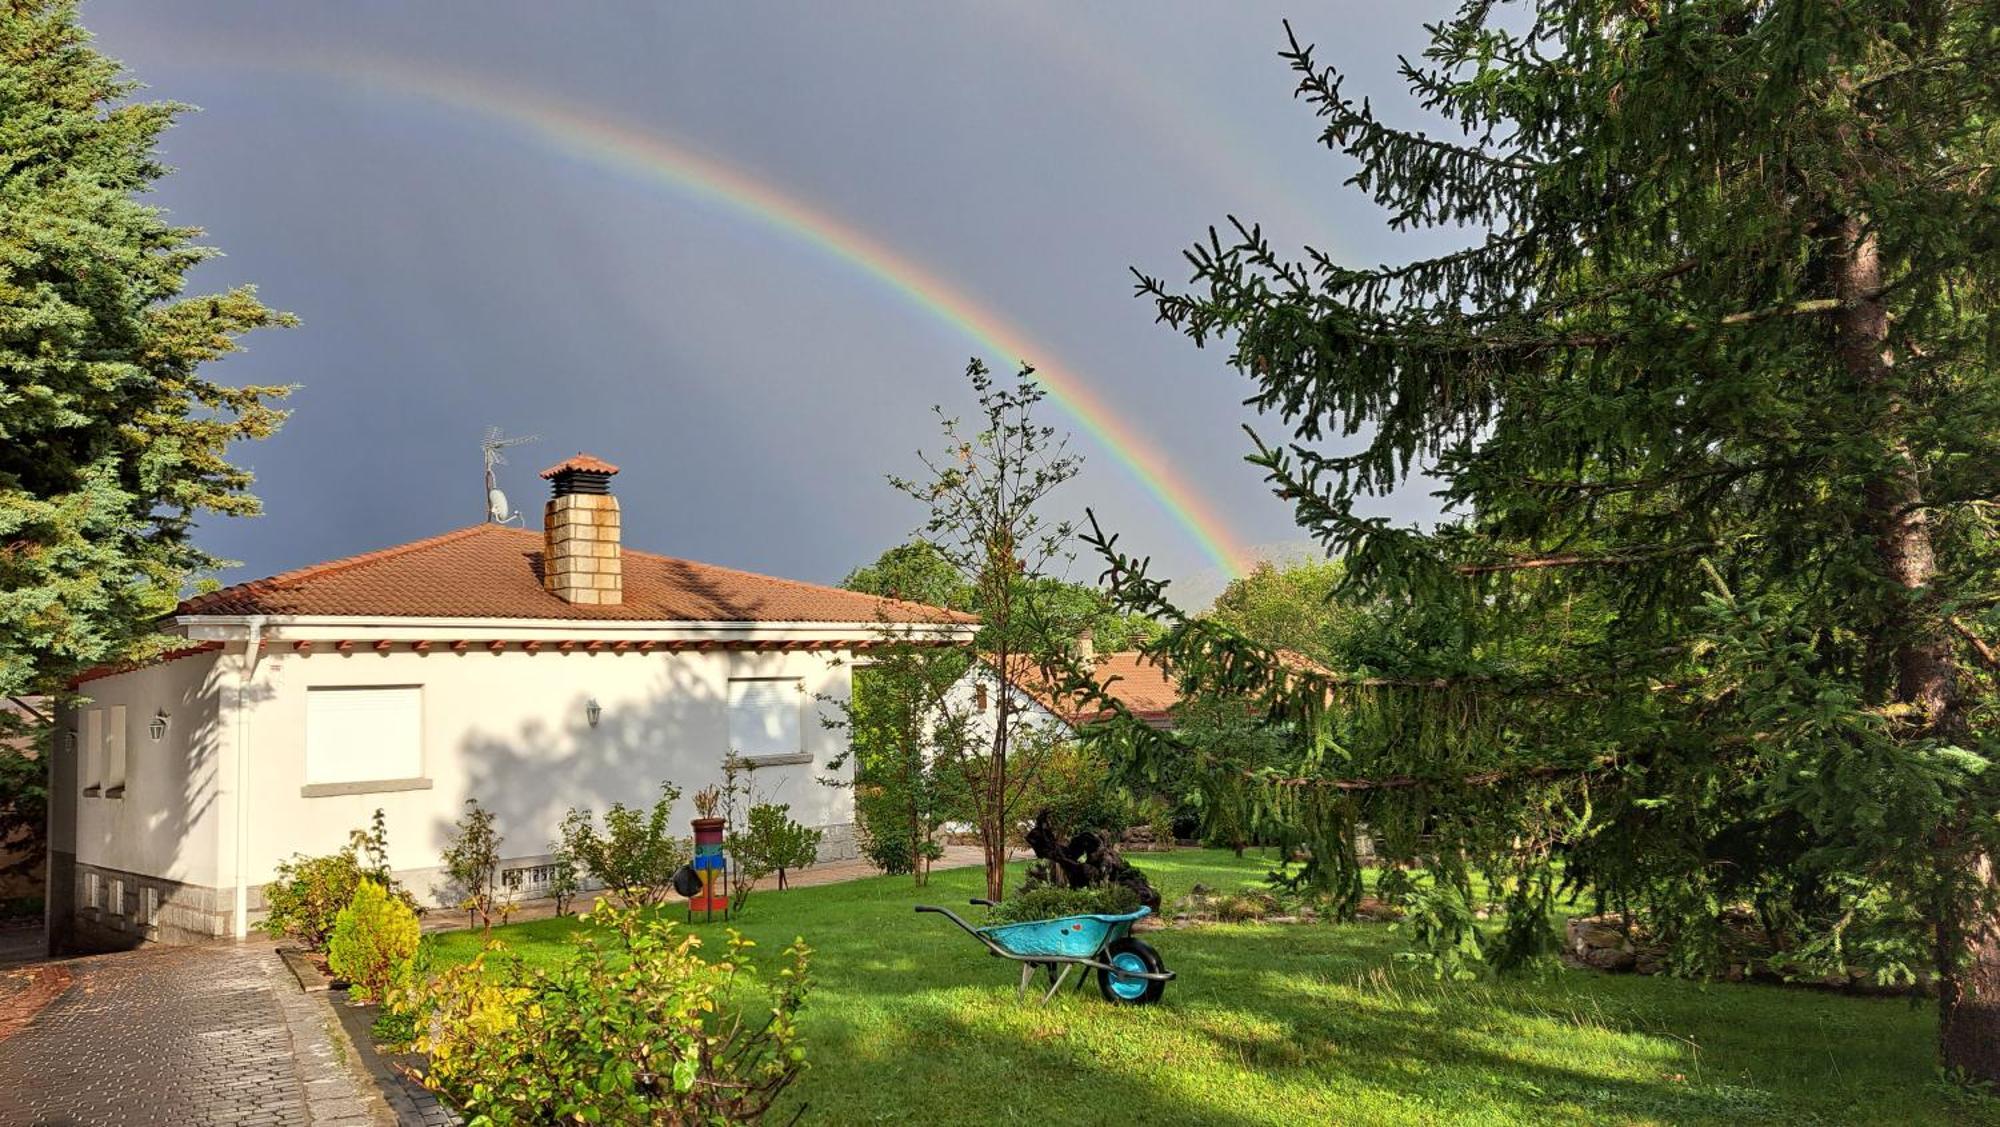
(651, 156)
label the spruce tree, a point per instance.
(1711, 620)
(112, 439)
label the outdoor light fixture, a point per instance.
(69, 741)
(592, 711)
(158, 728)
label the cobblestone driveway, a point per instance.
(182, 1035)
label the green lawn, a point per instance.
(911, 1020)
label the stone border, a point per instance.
(411, 1101)
(337, 1091)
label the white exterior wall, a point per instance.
(510, 730)
(168, 822)
(1025, 709)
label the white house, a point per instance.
(530, 671)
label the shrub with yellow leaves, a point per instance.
(633, 1026)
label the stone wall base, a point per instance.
(124, 915)
(839, 843)
(113, 910)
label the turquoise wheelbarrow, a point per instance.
(1129, 971)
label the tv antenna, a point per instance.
(491, 451)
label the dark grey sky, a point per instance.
(454, 268)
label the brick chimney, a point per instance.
(580, 560)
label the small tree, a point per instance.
(472, 864)
(772, 842)
(563, 883)
(636, 854)
(986, 494)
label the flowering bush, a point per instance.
(633, 1027)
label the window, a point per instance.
(90, 890)
(358, 739)
(979, 696)
(92, 766)
(114, 752)
(117, 896)
(764, 715)
(149, 906)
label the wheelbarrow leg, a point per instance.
(1027, 972)
(1057, 984)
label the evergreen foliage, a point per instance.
(374, 942)
(1715, 410)
(112, 440)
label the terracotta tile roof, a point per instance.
(491, 571)
(1134, 680)
(1128, 676)
(582, 463)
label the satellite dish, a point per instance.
(496, 507)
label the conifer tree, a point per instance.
(112, 439)
(1711, 619)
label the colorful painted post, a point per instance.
(709, 865)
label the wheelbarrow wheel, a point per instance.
(1129, 954)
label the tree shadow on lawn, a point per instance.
(1291, 1023)
(1277, 1024)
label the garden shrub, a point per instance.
(374, 940)
(309, 893)
(1073, 783)
(884, 827)
(632, 1026)
(771, 842)
(635, 855)
(1048, 902)
(472, 865)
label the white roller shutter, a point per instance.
(764, 718)
(361, 735)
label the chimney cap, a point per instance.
(582, 463)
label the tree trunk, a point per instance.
(1967, 937)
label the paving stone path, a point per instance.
(215, 1035)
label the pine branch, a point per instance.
(1530, 563)
(1474, 779)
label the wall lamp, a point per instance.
(158, 727)
(592, 711)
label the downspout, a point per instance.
(253, 647)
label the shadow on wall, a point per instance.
(675, 730)
(154, 820)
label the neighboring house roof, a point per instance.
(491, 571)
(1128, 676)
(1134, 680)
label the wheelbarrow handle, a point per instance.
(947, 913)
(982, 902)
